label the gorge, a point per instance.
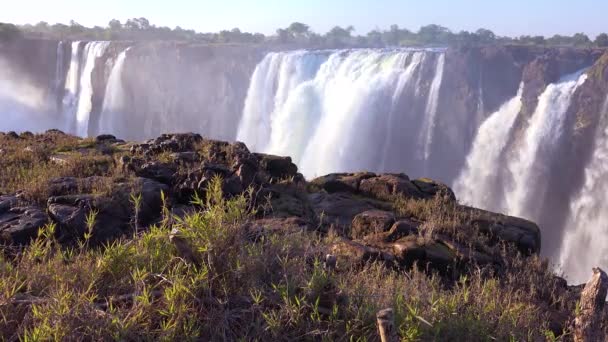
(515, 129)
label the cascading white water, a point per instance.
(428, 125)
(113, 102)
(475, 184)
(327, 109)
(70, 97)
(588, 222)
(528, 163)
(404, 79)
(92, 51)
(59, 72)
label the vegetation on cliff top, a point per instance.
(296, 33)
(232, 266)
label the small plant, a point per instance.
(136, 200)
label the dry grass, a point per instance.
(272, 287)
(29, 163)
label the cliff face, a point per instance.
(181, 87)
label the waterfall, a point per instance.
(70, 96)
(587, 225)
(428, 125)
(92, 51)
(528, 163)
(404, 79)
(113, 102)
(59, 72)
(477, 182)
(331, 110)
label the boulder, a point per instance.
(521, 233)
(430, 188)
(277, 167)
(338, 208)
(402, 228)
(387, 186)
(18, 225)
(105, 138)
(115, 212)
(341, 182)
(371, 222)
(161, 172)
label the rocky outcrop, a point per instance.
(164, 175)
(19, 223)
(588, 323)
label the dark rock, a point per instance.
(18, 225)
(54, 131)
(371, 222)
(246, 171)
(387, 186)
(342, 182)
(402, 228)
(523, 234)
(114, 212)
(431, 188)
(277, 167)
(287, 200)
(105, 138)
(338, 208)
(12, 135)
(26, 135)
(162, 172)
(7, 202)
(185, 157)
(62, 186)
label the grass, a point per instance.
(204, 276)
(28, 164)
(274, 287)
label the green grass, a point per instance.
(275, 287)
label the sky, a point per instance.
(504, 17)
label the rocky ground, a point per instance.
(362, 233)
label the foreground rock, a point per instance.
(588, 323)
(132, 183)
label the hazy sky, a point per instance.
(504, 17)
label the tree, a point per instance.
(137, 24)
(434, 34)
(283, 36)
(601, 40)
(115, 25)
(581, 39)
(339, 36)
(485, 36)
(299, 29)
(9, 32)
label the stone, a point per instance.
(62, 186)
(161, 172)
(342, 182)
(105, 138)
(588, 323)
(387, 186)
(277, 167)
(402, 228)
(338, 208)
(371, 222)
(521, 233)
(19, 225)
(430, 188)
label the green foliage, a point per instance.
(137, 29)
(274, 287)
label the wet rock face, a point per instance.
(191, 83)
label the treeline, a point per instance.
(137, 29)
